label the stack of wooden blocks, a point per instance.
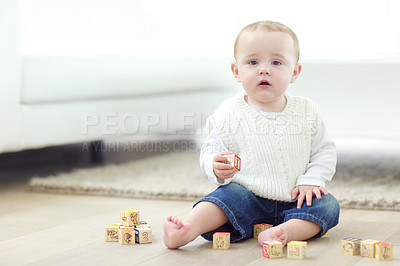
(367, 248)
(130, 230)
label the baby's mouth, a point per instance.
(264, 84)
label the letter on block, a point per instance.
(233, 160)
(127, 236)
(384, 251)
(112, 233)
(130, 218)
(143, 235)
(297, 250)
(258, 228)
(272, 249)
(221, 240)
(351, 246)
(367, 248)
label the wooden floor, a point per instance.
(50, 229)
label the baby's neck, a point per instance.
(271, 107)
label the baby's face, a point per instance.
(265, 65)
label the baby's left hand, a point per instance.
(307, 192)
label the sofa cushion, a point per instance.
(52, 78)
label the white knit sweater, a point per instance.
(274, 153)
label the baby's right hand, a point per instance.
(222, 169)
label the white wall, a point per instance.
(357, 99)
(340, 29)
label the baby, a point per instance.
(286, 153)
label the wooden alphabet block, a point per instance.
(272, 249)
(296, 250)
(130, 218)
(258, 228)
(384, 251)
(367, 248)
(221, 240)
(143, 235)
(233, 160)
(127, 236)
(112, 233)
(351, 246)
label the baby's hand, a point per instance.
(307, 192)
(221, 168)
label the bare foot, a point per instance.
(176, 232)
(274, 234)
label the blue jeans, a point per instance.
(244, 209)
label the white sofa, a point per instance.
(54, 99)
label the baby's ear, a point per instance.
(235, 71)
(296, 73)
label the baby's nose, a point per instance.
(264, 70)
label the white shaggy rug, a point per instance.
(361, 181)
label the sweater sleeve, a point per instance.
(212, 145)
(322, 165)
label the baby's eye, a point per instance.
(253, 62)
(276, 63)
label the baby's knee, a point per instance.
(330, 204)
(234, 188)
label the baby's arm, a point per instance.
(212, 159)
(320, 169)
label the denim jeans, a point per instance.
(244, 209)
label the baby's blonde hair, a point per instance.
(271, 26)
